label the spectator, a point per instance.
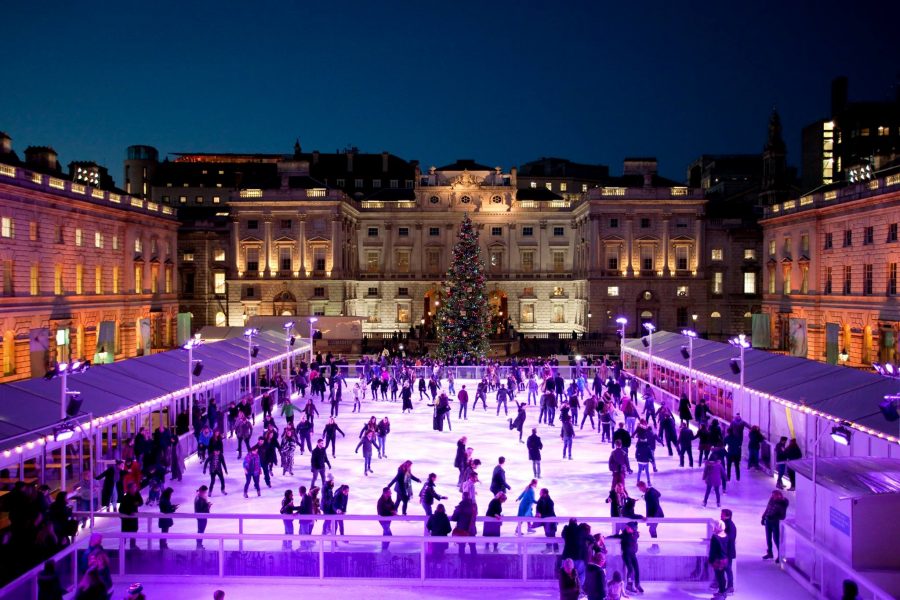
(569, 589)
(775, 513)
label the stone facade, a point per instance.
(832, 258)
(71, 257)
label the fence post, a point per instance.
(74, 572)
(121, 556)
(321, 557)
(241, 532)
(149, 530)
(422, 561)
(221, 557)
(523, 550)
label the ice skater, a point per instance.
(519, 422)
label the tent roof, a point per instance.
(34, 403)
(854, 477)
(843, 393)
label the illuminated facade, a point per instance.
(87, 272)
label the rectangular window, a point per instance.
(770, 280)
(717, 254)
(250, 292)
(115, 280)
(403, 231)
(372, 262)
(848, 280)
(219, 282)
(583, 187)
(219, 255)
(154, 279)
(79, 234)
(804, 244)
(434, 231)
(549, 186)
(681, 316)
(198, 199)
(645, 223)
(285, 262)
(892, 232)
(718, 283)
(138, 279)
(138, 245)
(892, 279)
(319, 259)
(788, 246)
(59, 236)
(614, 223)
(559, 313)
(612, 291)
(749, 283)
(6, 227)
(8, 278)
(182, 199)
(786, 272)
(318, 292)
(495, 231)
(828, 280)
(527, 231)
(187, 257)
(433, 259)
(372, 232)
(286, 224)
(681, 258)
(34, 280)
(403, 292)
(402, 261)
(612, 258)
(868, 236)
(372, 291)
(528, 261)
(848, 238)
(804, 279)
(496, 260)
(98, 280)
(341, 182)
(559, 261)
(358, 183)
(563, 187)
(681, 291)
(168, 279)
(527, 315)
(528, 292)
(253, 224)
(749, 254)
(403, 313)
(648, 257)
(376, 183)
(559, 231)
(867, 280)
(252, 259)
(395, 183)
(772, 248)
(115, 242)
(33, 231)
(98, 239)
(829, 241)
(58, 288)
(217, 199)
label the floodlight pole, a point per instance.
(190, 349)
(64, 392)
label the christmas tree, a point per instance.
(462, 317)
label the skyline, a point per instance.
(593, 84)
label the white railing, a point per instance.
(59, 184)
(8, 170)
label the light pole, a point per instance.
(742, 344)
(622, 321)
(690, 334)
(648, 342)
(289, 340)
(193, 369)
(251, 352)
(312, 321)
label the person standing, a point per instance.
(532, 390)
(305, 507)
(202, 506)
(215, 462)
(731, 536)
(330, 432)
(402, 483)
(463, 397)
(590, 409)
(460, 462)
(384, 428)
(754, 444)
(654, 510)
(429, 494)
(775, 513)
(595, 577)
(287, 508)
(792, 452)
(166, 507)
(526, 502)
(502, 397)
(629, 540)
(618, 464)
(243, 429)
(535, 446)
(733, 443)
(465, 515)
(567, 433)
(385, 508)
(367, 441)
(684, 410)
(340, 507)
(318, 460)
(438, 525)
(252, 470)
(545, 509)
(128, 507)
(569, 589)
(686, 445)
(287, 411)
(718, 558)
(493, 518)
(643, 456)
(498, 478)
(781, 461)
(288, 445)
(713, 476)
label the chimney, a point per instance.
(384, 162)
(315, 157)
(41, 157)
(5, 143)
(349, 161)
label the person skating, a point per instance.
(166, 507)
(465, 515)
(252, 470)
(330, 432)
(792, 452)
(463, 398)
(287, 508)
(498, 478)
(287, 410)
(318, 461)
(243, 429)
(526, 502)
(402, 483)
(385, 508)
(628, 537)
(685, 445)
(384, 428)
(618, 463)
(215, 462)
(202, 505)
(775, 513)
(438, 525)
(684, 410)
(128, 507)
(288, 444)
(754, 445)
(481, 394)
(461, 459)
(654, 510)
(643, 456)
(304, 434)
(567, 434)
(406, 398)
(713, 477)
(494, 518)
(535, 446)
(429, 494)
(546, 509)
(305, 506)
(731, 535)
(590, 409)
(718, 558)
(367, 442)
(733, 443)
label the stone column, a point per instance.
(236, 242)
(387, 259)
(301, 245)
(629, 242)
(267, 247)
(512, 249)
(665, 241)
(594, 244)
(336, 248)
(417, 265)
(698, 230)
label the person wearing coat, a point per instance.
(367, 442)
(545, 509)
(618, 463)
(718, 557)
(461, 460)
(402, 483)
(492, 527)
(519, 422)
(713, 476)
(466, 525)
(128, 508)
(595, 578)
(651, 501)
(166, 507)
(684, 410)
(569, 589)
(429, 494)
(438, 525)
(685, 445)
(498, 478)
(535, 446)
(526, 501)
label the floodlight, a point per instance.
(735, 365)
(251, 331)
(891, 369)
(198, 368)
(254, 351)
(291, 340)
(289, 325)
(684, 353)
(689, 333)
(841, 435)
(645, 342)
(622, 321)
(878, 368)
(650, 327)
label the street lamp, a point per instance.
(193, 369)
(312, 320)
(622, 321)
(648, 343)
(688, 353)
(252, 351)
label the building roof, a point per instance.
(853, 476)
(841, 393)
(537, 193)
(464, 164)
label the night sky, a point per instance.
(500, 82)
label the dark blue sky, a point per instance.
(500, 82)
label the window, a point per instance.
(496, 231)
(372, 291)
(533, 185)
(786, 271)
(403, 231)
(7, 278)
(681, 258)
(717, 254)
(718, 284)
(98, 239)
(827, 280)
(772, 248)
(319, 259)
(286, 224)
(98, 280)
(139, 279)
(217, 199)
(749, 283)
(138, 245)
(892, 232)
(9, 353)
(496, 260)
(848, 280)
(770, 280)
(882, 130)
(892, 279)
(563, 187)
(549, 186)
(154, 279)
(614, 223)
(187, 257)
(804, 279)
(253, 259)
(612, 291)
(33, 231)
(528, 292)
(527, 231)
(198, 199)
(285, 262)
(395, 183)
(559, 313)
(749, 254)
(318, 292)
(645, 223)
(115, 280)
(341, 182)
(182, 199)
(559, 231)
(59, 234)
(250, 292)
(372, 232)
(376, 183)
(252, 224)
(681, 316)
(168, 279)
(372, 262)
(403, 291)
(153, 247)
(219, 282)
(527, 315)
(647, 257)
(788, 244)
(559, 261)
(79, 237)
(115, 242)
(804, 244)
(221, 319)
(612, 258)
(848, 238)
(433, 259)
(528, 261)
(868, 236)
(867, 280)
(583, 187)
(58, 280)
(6, 227)
(219, 254)
(34, 280)
(434, 231)
(402, 259)
(681, 291)
(403, 313)
(357, 183)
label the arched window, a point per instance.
(220, 319)
(715, 315)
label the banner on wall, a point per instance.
(183, 328)
(798, 337)
(832, 342)
(145, 336)
(39, 351)
(106, 343)
(761, 334)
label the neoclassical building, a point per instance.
(87, 271)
